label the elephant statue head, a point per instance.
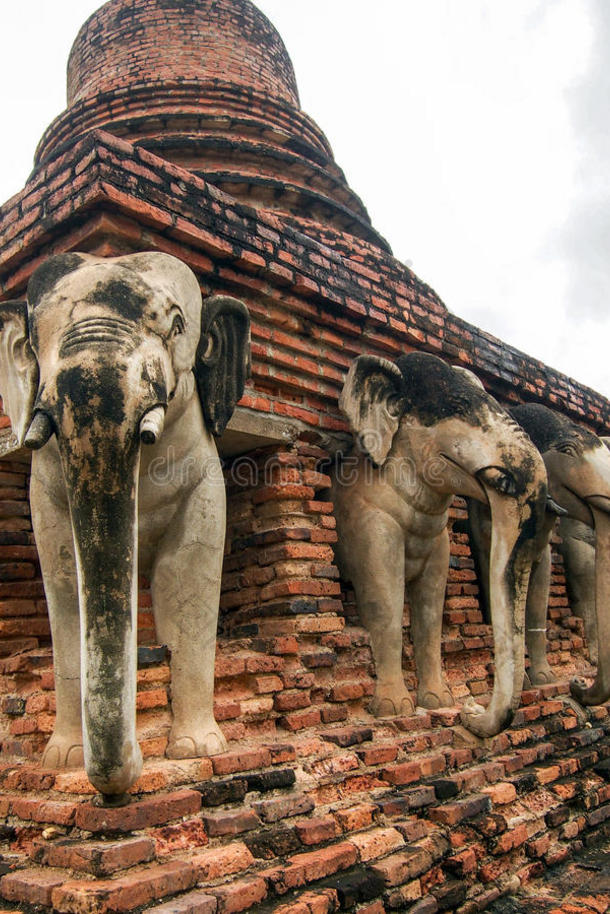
(578, 469)
(108, 355)
(427, 432)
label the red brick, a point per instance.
(452, 813)
(27, 778)
(97, 858)
(403, 866)
(282, 754)
(501, 794)
(296, 722)
(375, 908)
(402, 773)
(511, 839)
(334, 765)
(315, 831)
(305, 868)
(537, 847)
(230, 822)
(292, 700)
(125, 894)
(32, 886)
(248, 759)
(265, 684)
(152, 811)
(355, 817)
(347, 691)
(242, 895)
(277, 808)
(377, 755)
(47, 811)
(181, 836)
(377, 843)
(463, 863)
(221, 861)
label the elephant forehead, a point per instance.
(134, 286)
(166, 275)
(494, 432)
(586, 469)
(495, 442)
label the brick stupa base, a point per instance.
(317, 806)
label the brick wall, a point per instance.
(23, 615)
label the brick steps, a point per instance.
(403, 812)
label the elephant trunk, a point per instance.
(599, 691)
(509, 571)
(103, 511)
(100, 423)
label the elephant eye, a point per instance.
(568, 449)
(177, 326)
(498, 479)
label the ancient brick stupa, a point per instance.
(183, 134)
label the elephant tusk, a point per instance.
(151, 425)
(553, 508)
(39, 432)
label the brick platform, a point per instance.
(380, 814)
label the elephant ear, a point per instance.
(222, 365)
(18, 367)
(372, 401)
(469, 375)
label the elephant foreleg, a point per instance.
(535, 619)
(578, 551)
(427, 599)
(186, 592)
(53, 533)
(376, 570)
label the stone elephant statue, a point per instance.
(427, 432)
(578, 548)
(105, 356)
(578, 470)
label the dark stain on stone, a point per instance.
(49, 273)
(549, 429)
(433, 391)
(91, 394)
(121, 296)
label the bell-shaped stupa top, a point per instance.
(209, 86)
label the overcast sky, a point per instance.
(476, 132)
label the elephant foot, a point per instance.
(542, 675)
(196, 742)
(63, 752)
(483, 722)
(434, 698)
(392, 700)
